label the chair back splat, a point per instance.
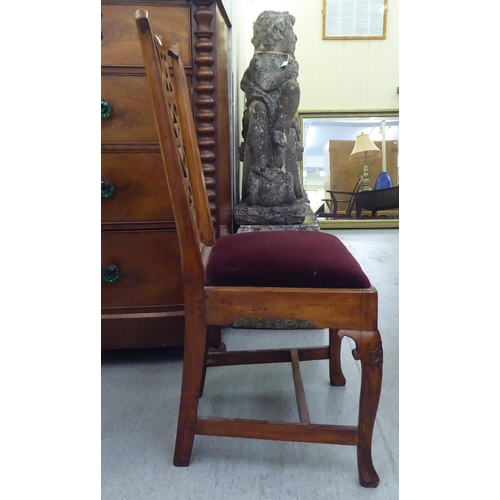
(262, 275)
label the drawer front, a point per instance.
(134, 333)
(120, 43)
(148, 271)
(135, 188)
(131, 118)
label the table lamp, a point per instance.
(365, 150)
(384, 180)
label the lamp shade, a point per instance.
(364, 149)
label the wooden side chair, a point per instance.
(277, 274)
(334, 201)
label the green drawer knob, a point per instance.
(110, 273)
(105, 109)
(107, 189)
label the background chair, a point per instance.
(334, 201)
(277, 274)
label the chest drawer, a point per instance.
(134, 188)
(120, 44)
(148, 269)
(131, 118)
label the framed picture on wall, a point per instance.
(354, 19)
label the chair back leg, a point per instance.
(193, 374)
(336, 376)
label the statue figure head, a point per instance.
(273, 31)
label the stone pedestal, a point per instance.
(309, 221)
(252, 215)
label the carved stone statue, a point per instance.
(271, 147)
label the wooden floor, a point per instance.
(140, 393)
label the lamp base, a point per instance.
(383, 181)
(366, 179)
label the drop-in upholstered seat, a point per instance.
(283, 259)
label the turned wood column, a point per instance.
(204, 100)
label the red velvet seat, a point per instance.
(303, 259)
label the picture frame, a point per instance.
(354, 19)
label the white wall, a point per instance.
(334, 75)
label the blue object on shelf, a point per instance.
(383, 181)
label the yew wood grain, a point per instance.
(277, 431)
(326, 308)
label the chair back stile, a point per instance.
(182, 166)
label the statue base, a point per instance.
(252, 215)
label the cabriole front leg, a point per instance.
(369, 352)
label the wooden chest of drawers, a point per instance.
(141, 293)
